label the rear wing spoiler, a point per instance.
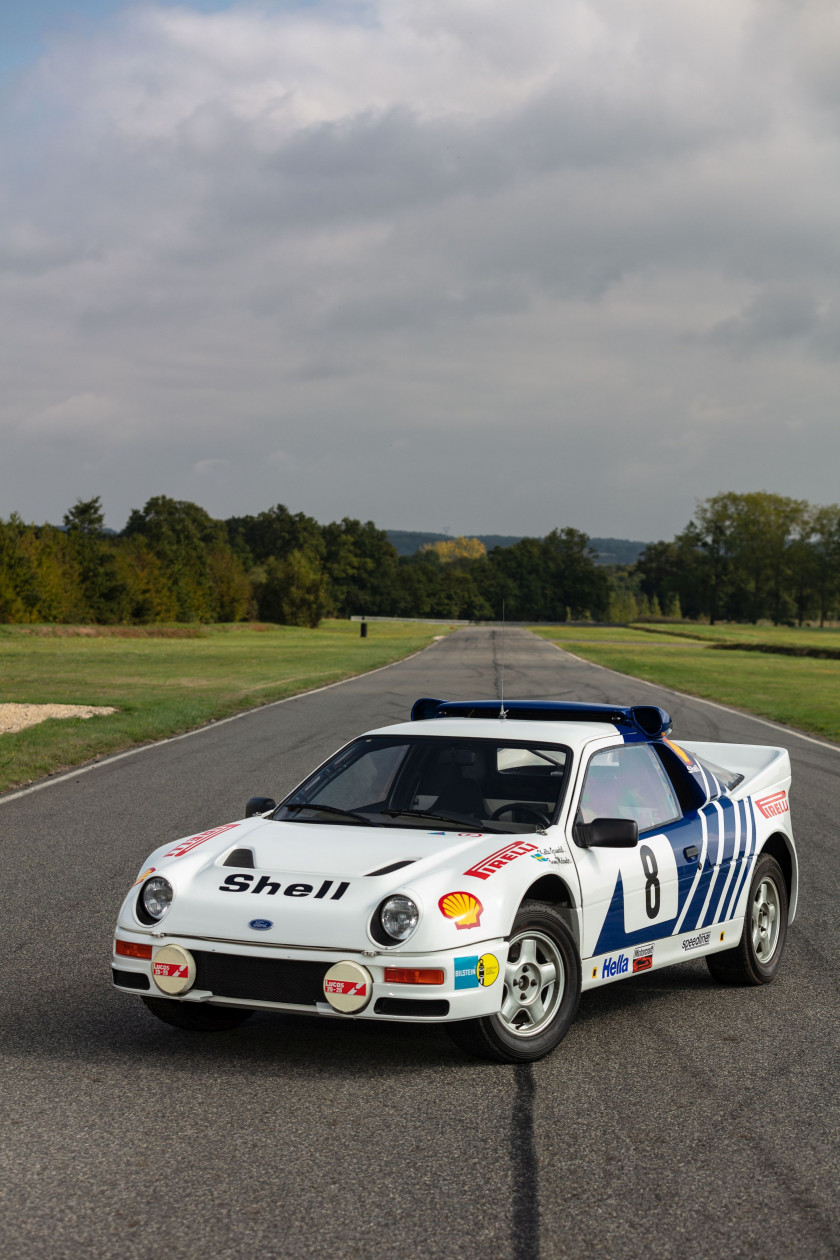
(763, 767)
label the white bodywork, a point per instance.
(310, 882)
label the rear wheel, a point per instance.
(197, 1017)
(756, 957)
(540, 996)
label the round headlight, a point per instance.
(398, 916)
(156, 897)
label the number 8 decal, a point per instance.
(651, 870)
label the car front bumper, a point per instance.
(234, 974)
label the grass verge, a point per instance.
(798, 691)
(165, 680)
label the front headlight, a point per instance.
(399, 917)
(154, 900)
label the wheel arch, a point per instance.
(780, 847)
(554, 890)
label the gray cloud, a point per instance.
(427, 268)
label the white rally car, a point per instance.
(477, 866)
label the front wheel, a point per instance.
(756, 957)
(197, 1018)
(541, 991)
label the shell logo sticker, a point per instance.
(463, 908)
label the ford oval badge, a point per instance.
(261, 925)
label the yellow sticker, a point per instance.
(488, 969)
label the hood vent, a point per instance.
(241, 858)
(395, 866)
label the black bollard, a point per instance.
(363, 629)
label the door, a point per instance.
(635, 895)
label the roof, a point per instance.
(573, 734)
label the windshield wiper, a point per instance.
(454, 822)
(333, 809)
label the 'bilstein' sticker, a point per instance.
(475, 972)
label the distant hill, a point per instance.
(407, 541)
(610, 550)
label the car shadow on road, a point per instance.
(108, 1028)
(101, 1026)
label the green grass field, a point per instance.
(798, 691)
(772, 636)
(164, 680)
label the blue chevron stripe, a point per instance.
(737, 860)
(727, 819)
(749, 856)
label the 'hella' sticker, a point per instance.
(261, 925)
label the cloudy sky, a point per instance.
(465, 265)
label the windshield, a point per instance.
(435, 783)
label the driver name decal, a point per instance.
(495, 861)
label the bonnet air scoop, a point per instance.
(243, 858)
(395, 866)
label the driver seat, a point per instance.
(461, 795)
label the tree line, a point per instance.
(748, 557)
(174, 562)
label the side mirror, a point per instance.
(259, 805)
(608, 833)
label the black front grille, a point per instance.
(129, 979)
(260, 979)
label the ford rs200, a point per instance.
(480, 866)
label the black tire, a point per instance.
(756, 957)
(197, 1017)
(536, 1016)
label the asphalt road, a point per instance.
(676, 1118)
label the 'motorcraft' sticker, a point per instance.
(184, 846)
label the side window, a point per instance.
(628, 782)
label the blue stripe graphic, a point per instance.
(727, 821)
(699, 898)
(748, 858)
(738, 862)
